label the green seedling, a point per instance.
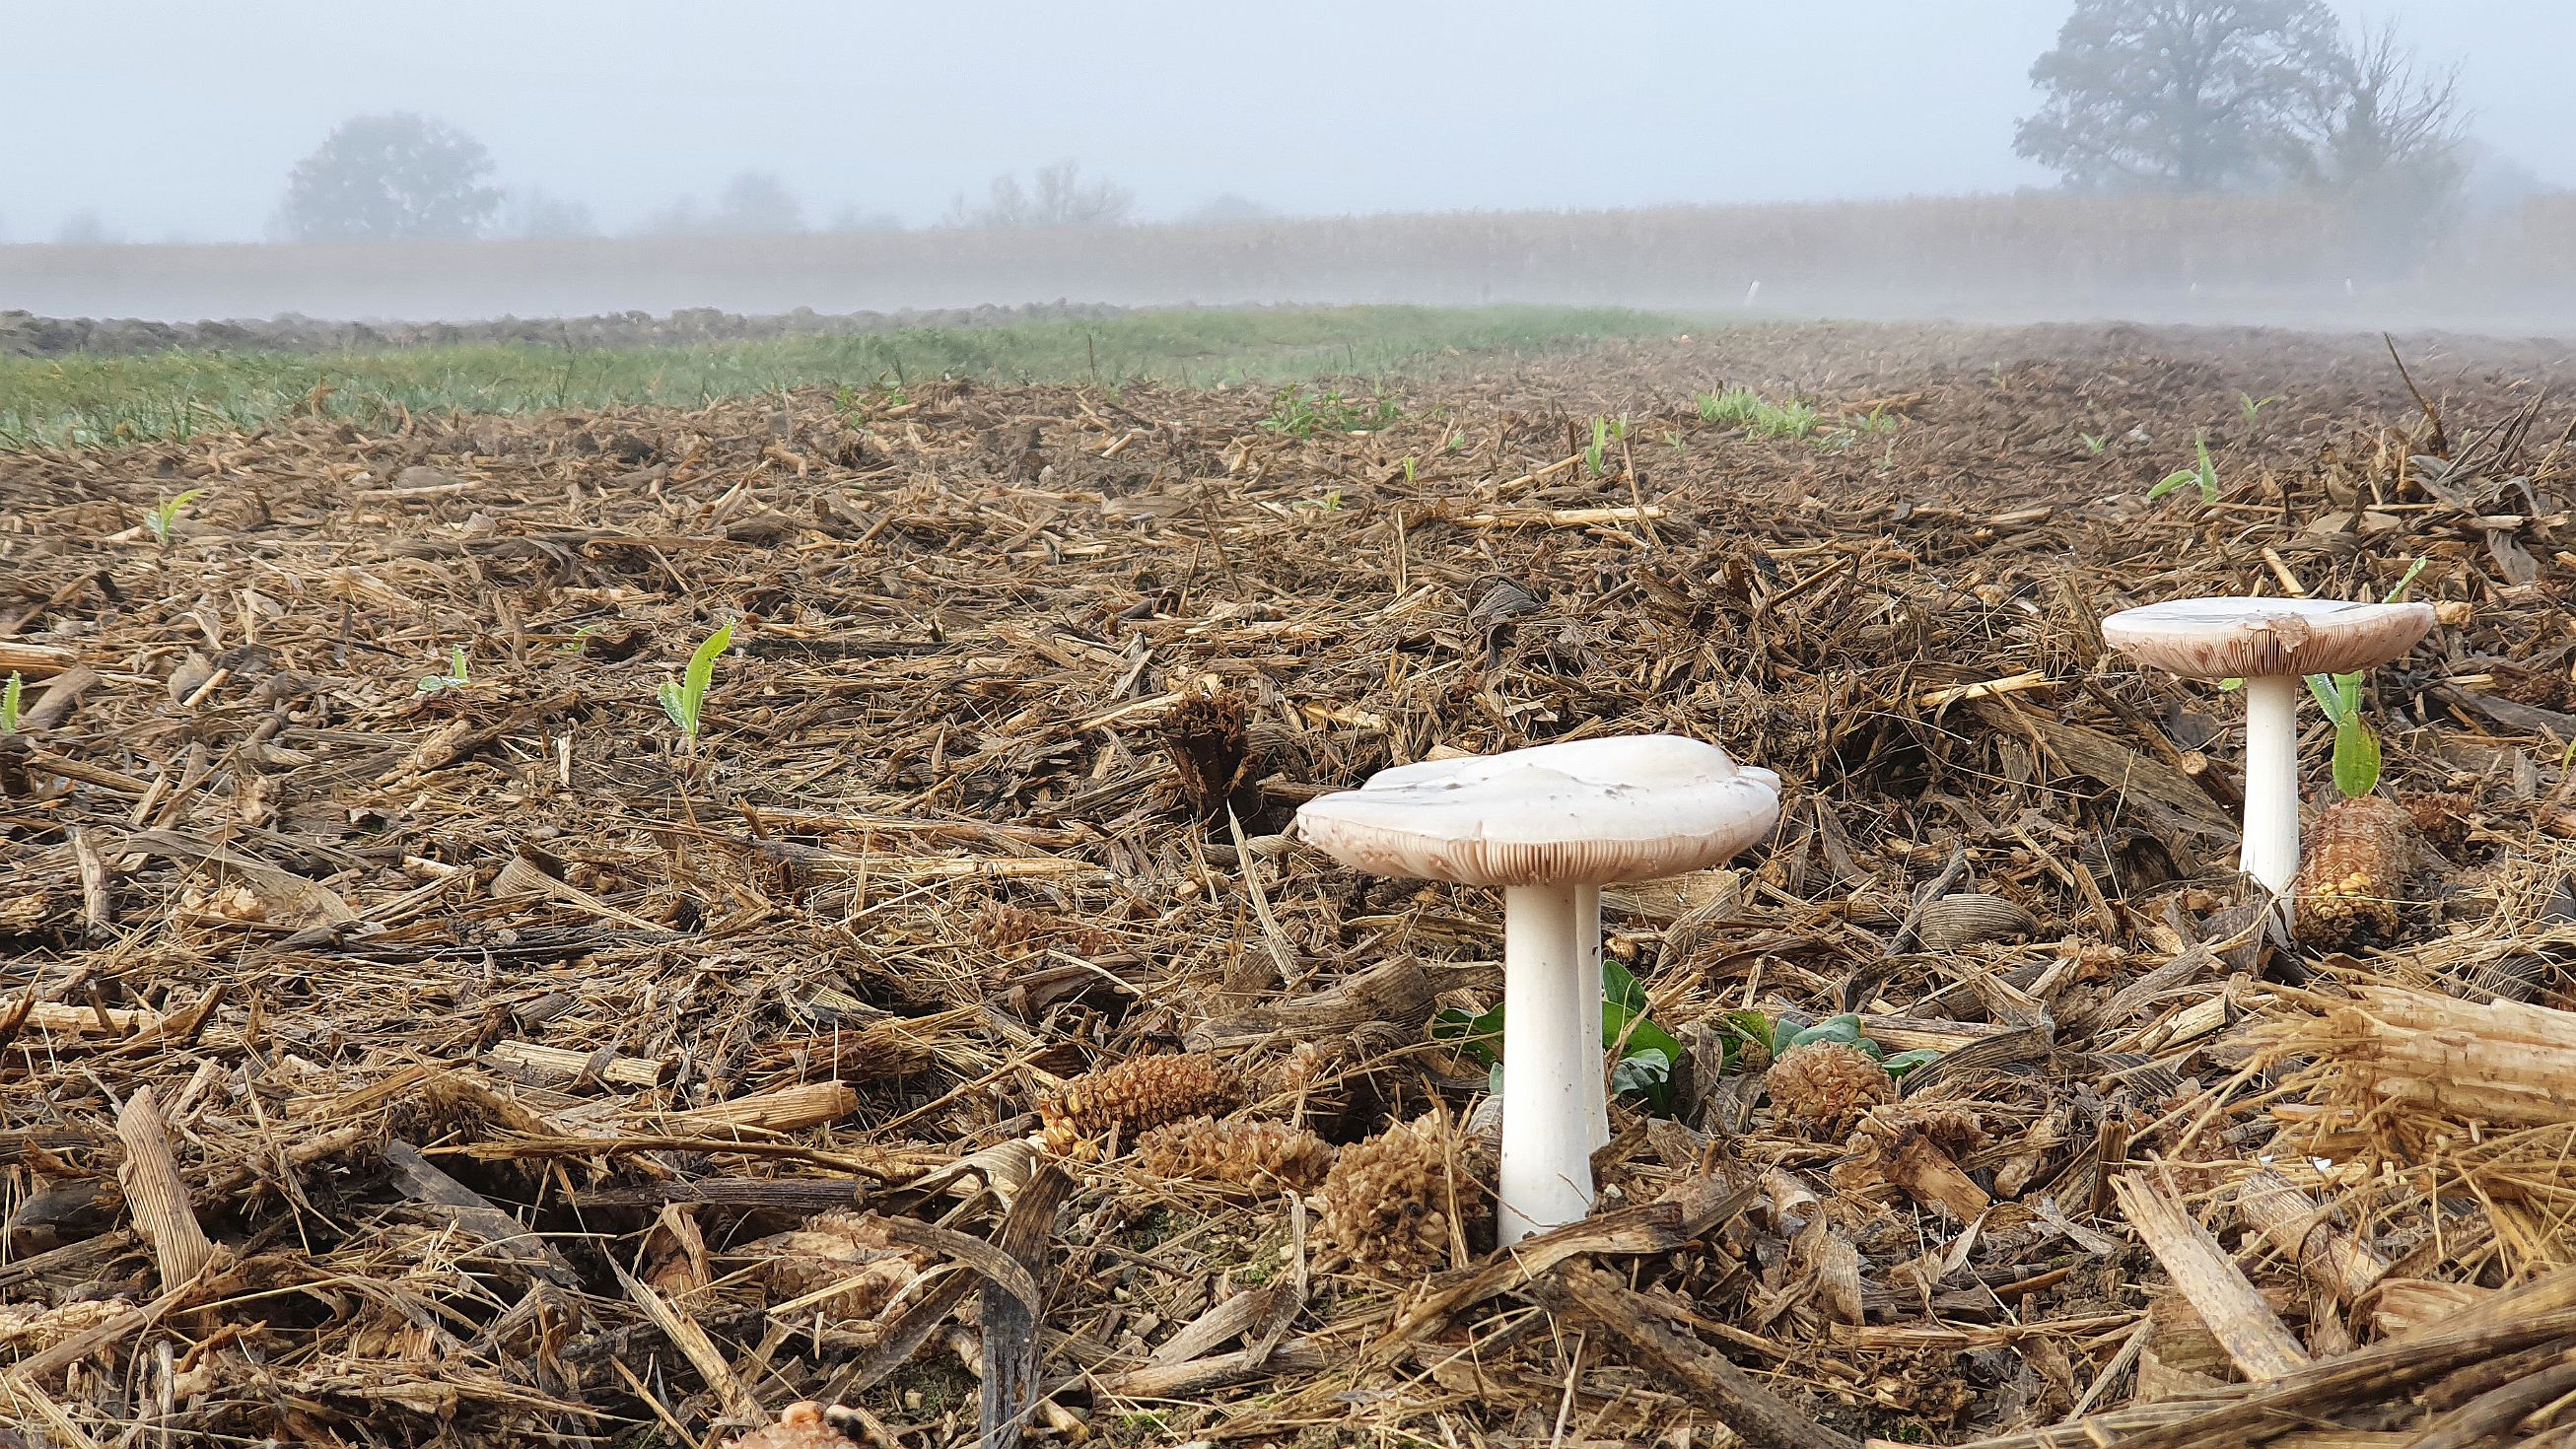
(2252, 406)
(1596, 457)
(9, 697)
(1742, 408)
(2094, 443)
(1778, 1036)
(2203, 473)
(684, 699)
(1293, 414)
(165, 514)
(1408, 468)
(2356, 748)
(457, 676)
(1647, 1054)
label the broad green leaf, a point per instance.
(1642, 1074)
(1619, 985)
(2356, 758)
(1784, 1031)
(702, 663)
(1844, 1028)
(1630, 1031)
(1903, 1062)
(1478, 1034)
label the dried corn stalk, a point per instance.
(2500, 1061)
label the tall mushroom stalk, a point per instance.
(2270, 644)
(1550, 825)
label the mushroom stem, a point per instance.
(1587, 938)
(2270, 852)
(1551, 1048)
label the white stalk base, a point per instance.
(2270, 852)
(1551, 1062)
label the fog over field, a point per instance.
(632, 138)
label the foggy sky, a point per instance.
(174, 119)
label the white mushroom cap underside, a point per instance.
(2257, 638)
(1586, 812)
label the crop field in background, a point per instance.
(761, 873)
(85, 399)
(2011, 257)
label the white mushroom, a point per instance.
(1550, 825)
(2270, 644)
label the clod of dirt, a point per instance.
(1820, 1088)
(800, 1426)
(1398, 1201)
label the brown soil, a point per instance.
(523, 1073)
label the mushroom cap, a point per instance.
(2260, 638)
(1585, 812)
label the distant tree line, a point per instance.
(404, 177)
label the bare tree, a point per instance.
(2387, 116)
(1056, 196)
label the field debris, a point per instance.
(953, 1040)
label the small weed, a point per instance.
(1647, 1052)
(1596, 455)
(9, 696)
(1742, 408)
(2252, 406)
(684, 699)
(2203, 473)
(1457, 442)
(165, 514)
(1408, 470)
(1293, 414)
(456, 677)
(2094, 443)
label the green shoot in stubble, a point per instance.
(2204, 474)
(164, 515)
(1408, 469)
(10, 694)
(2357, 755)
(2252, 406)
(684, 699)
(2094, 443)
(1596, 457)
(458, 675)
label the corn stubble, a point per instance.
(2359, 856)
